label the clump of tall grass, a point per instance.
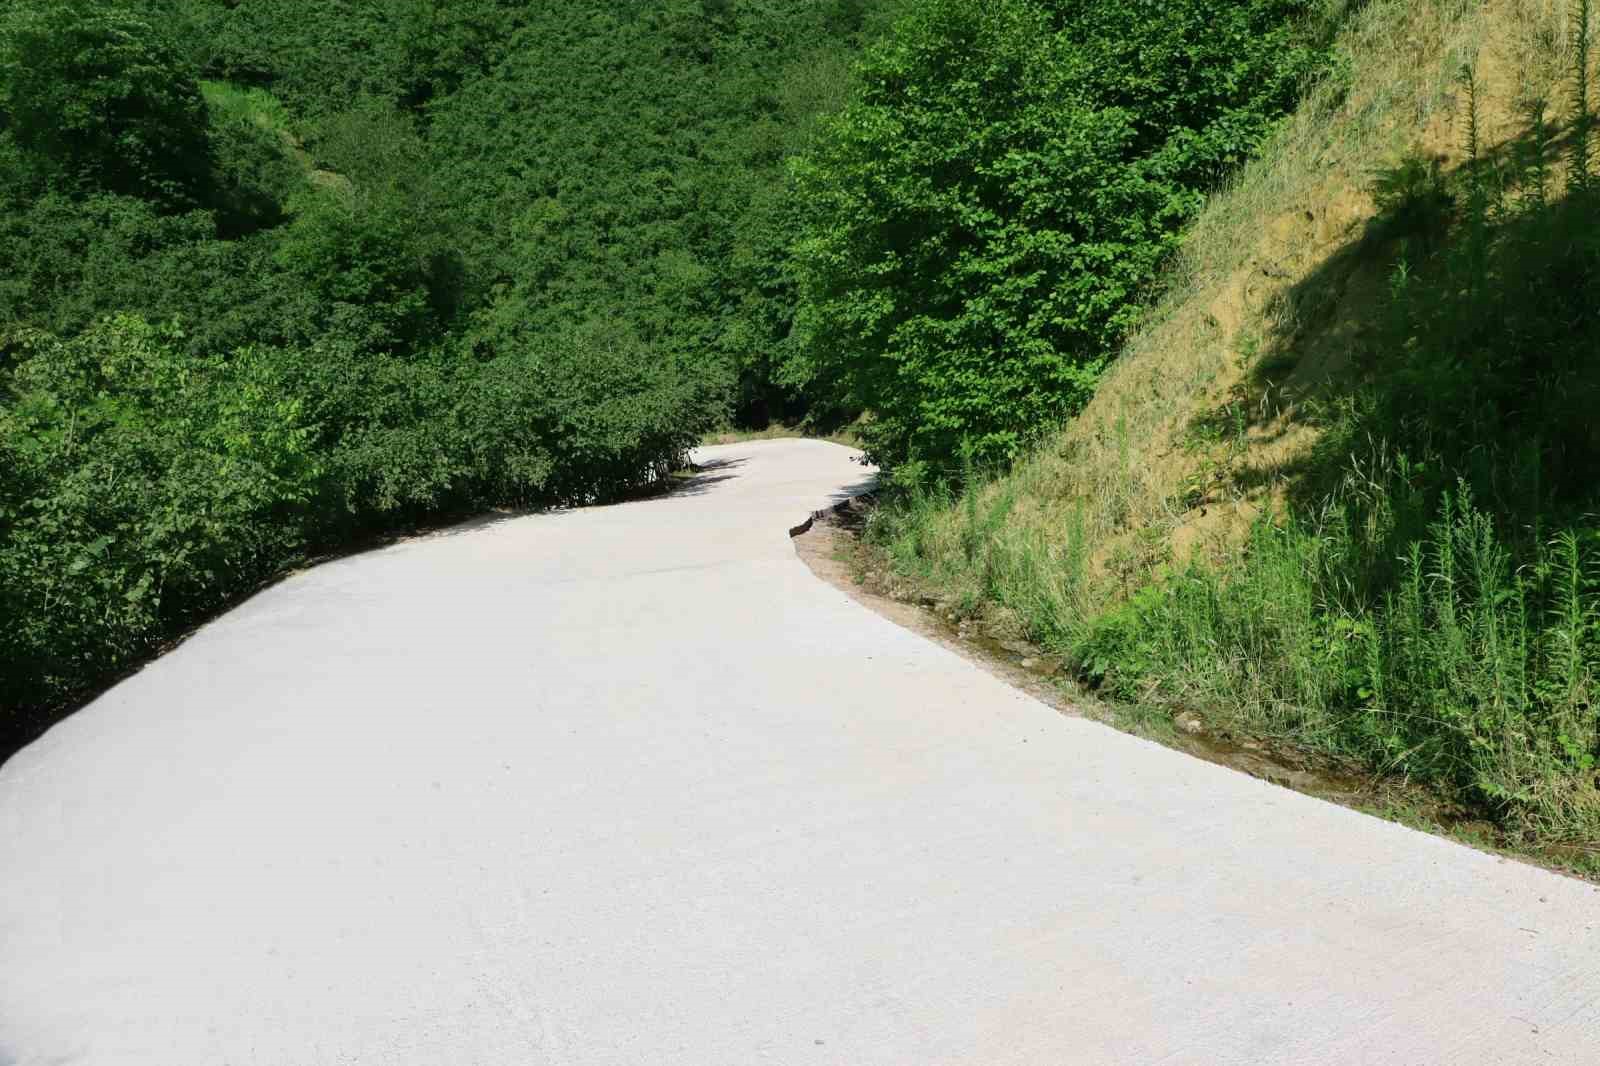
(246, 104)
(1406, 632)
(1473, 670)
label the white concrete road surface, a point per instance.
(629, 785)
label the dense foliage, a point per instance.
(986, 214)
(276, 277)
(96, 99)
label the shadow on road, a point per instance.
(698, 480)
(866, 485)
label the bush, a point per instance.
(68, 260)
(145, 487)
(987, 213)
(155, 487)
(97, 93)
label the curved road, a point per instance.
(628, 785)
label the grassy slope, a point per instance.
(1212, 416)
(1271, 252)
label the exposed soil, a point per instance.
(829, 543)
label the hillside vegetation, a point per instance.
(1340, 485)
(280, 277)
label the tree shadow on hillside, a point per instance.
(1451, 342)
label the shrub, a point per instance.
(144, 487)
(988, 211)
(98, 93)
(156, 486)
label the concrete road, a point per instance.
(630, 786)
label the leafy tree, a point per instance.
(96, 93)
(984, 217)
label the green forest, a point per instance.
(1239, 354)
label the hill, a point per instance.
(1338, 486)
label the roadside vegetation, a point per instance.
(1339, 488)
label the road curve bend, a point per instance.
(628, 785)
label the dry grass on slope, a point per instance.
(1211, 413)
